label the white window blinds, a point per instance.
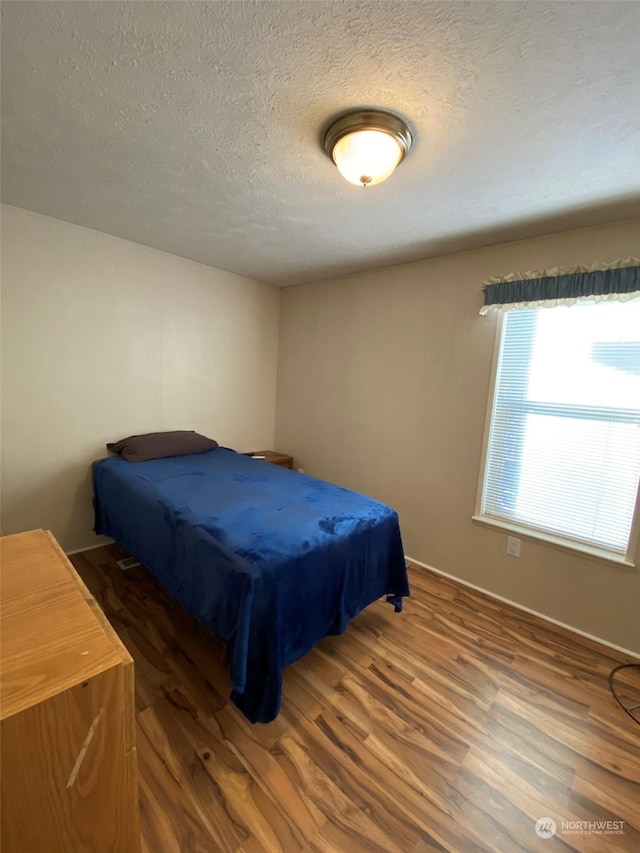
(563, 453)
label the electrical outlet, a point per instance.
(300, 470)
(513, 546)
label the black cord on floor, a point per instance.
(631, 708)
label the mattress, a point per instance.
(267, 559)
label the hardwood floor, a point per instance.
(452, 726)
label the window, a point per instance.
(563, 449)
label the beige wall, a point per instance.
(102, 338)
(382, 387)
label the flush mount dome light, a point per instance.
(367, 145)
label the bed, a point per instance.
(269, 560)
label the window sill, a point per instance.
(555, 541)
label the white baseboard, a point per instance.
(515, 604)
(493, 595)
(90, 547)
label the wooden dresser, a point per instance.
(69, 775)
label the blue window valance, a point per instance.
(618, 281)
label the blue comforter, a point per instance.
(269, 560)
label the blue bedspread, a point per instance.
(268, 559)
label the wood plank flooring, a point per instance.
(454, 726)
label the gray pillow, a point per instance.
(157, 445)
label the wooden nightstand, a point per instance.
(281, 459)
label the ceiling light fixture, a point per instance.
(367, 145)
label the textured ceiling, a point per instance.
(195, 127)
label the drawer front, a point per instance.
(69, 778)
